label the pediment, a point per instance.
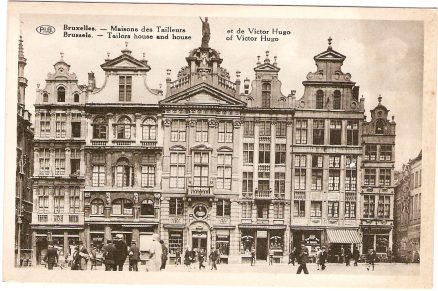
(202, 147)
(125, 62)
(267, 67)
(203, 94)
(330, 55)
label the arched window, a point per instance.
(97, 207)
(149, 129)
(337, 100)
(45, 97)
(147, 207)
(380, 126)
(123, 174)
(319, 99)
(122, 206)
(61, 94)
(123, 128)
(266, 95)
(76, 97)
(100, 126)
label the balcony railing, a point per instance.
(58, 218)
(99, 142)
(148, 143)
(123, 142)
(264, 167)
(263, 194)
(265, 139)
(43, 218)
(73, 218)
(199, 190)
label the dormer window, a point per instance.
(337, 100)
(125, 88)
(266, 95)
(76, 97)
(380, 127)
(319, 99)
(61, 94)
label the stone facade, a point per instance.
(210, 164)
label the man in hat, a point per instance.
(163, 255)
(303, 256)
(52, 256)
(108, 255)
(120, 253)
(323, 258)
(83, 256)
(134, 256)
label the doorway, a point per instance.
(199, 240)
(261, 249)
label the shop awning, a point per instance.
(350, 236)
(263, 226)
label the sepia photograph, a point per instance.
(239, 140)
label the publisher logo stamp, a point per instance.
(45, 29)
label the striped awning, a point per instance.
(340, 236)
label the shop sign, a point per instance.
(262, 233)
(312, 240)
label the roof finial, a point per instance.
(330, 40)
(258, 60)
(267, 57)
(62, 56)
(126, 44)
(275, 61)
(144, 55)
(108, 54)
(380, 99)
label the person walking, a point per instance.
(188, 258)
(134, 256)
(120, 253)
(318, 254)
(177, 257)
(356, 256)
(271, 256)
(93, 258)
(51, 256)
(201, 257)
(323, 258)
(302, 259)
(108, 256)
(371, 259)
(342, 254)
(292, 256)
(164, 254)
(347, 257)
(253, 256)
(83, 256)
(156, 252)
(213, 258)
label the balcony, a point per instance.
(265, 139)
(122, 142)
(57, 218)
(148, 143)
(263, 194)
(264, 167)
(99, 142)
(199, 191)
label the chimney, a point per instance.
(246, 86)
(237, 83)
(91, 81)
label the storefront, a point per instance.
(222, 242)
(378, 239)
(341, 242)
(310, 237)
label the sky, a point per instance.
(383, 57)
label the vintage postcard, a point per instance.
(225, 145)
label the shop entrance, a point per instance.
(261, 250)
(199, 240)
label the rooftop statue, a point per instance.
(205, 32)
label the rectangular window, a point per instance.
(315, 208)
(247, 183)
(263, 210)
(148, 176)
(125, 88)
(317, 161)
(98, 178)
(265, 128)
(74, 200)
(279, 183)
(334, 162)
(383, 206)
(246, 209)
(264, 153)
(178, 130)
(352, 132)
(75, 162)
(223, 207)
(123, 176)
(59, 162)
(76, 129)
(248, 128)
(200, 169)
(44, 162)
(332, 209)
(177, 170)
(45, 124)
(316, 179)
(370, 177)
(263, 183)
(318, 132)
(334, 181)
(385, 177)
(202, 131)
(58, 200)
(301, 132)
(350, 209)
(335, 132)
(225, 131)
(386, 152)
(248, 153)
(299, 208)
(300, 172)
(43, 199)
(278, 211)
(224, 169)
(280, 154)
(60, 120)
(368, 206)
(350, 180)
(370, 152)
(176, 206)
(280, 129)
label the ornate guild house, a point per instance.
(212, 161)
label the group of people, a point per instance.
(192, 255)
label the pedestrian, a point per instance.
(371, 259)
(83, 256)
(108, 255)
(156, 251)
(93, 259)
(187, 258)
(134, 256)
(347, 257)
(356, 256)
(193, 258)
(323, 258)
(253, 256)
(201, 257)
(271, 256)
(342, 251)
(51, 256)
(318, 254)
(292, 256)
(177, 257)
(120, 253)
(164, 254)
(302, 258)
(213, 258)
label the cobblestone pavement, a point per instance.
(384, 269)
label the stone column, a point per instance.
(51, 203)
(86, 130)
(34, 248)
(138, 129)
(67, 161)
(272, 158)
(68, 133)
(110, 117)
